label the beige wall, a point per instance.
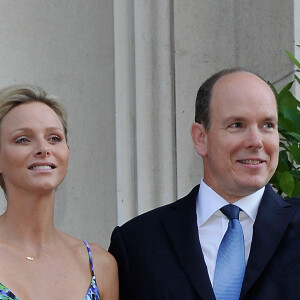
(212, 35)
(66, 46)
(128, 72)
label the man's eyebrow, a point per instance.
(275, 118)
(233, 119)
(241, 119)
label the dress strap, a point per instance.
(90, 257)
(93, 291)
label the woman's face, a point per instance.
(33, 152)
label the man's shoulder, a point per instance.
(162, 212)
(294, 201)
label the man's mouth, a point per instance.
(250, 161)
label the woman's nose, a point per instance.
(42, 151)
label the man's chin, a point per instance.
(251, 187)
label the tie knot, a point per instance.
(231, 211)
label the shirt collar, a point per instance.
(206, 208)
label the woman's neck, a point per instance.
(28, 219)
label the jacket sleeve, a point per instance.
(118, 250)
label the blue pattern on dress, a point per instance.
(92, 293)
(6, 294)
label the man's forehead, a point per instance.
(237, 85)
(249, 100)
(228, 81)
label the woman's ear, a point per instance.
(199, 136)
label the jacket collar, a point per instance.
(273, 217)
(182, 230)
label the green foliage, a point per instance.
(286, 179)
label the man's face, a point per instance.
(240, 149)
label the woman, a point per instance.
(38, 261)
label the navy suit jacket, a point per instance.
(159, 254)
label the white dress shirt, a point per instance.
(212, 224)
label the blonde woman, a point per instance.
(37, 261)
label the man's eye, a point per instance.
(22, 140)
(236, 125)
(269, 125)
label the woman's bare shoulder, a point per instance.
(102, 257)
(106, 271)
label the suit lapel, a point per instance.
(182, 230)
(272, 219)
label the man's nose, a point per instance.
(254, 138)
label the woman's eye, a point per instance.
(55, 138)
(22, 140)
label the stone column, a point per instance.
(145, 120)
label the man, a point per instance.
(172, 252)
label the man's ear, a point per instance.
(199, 136)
